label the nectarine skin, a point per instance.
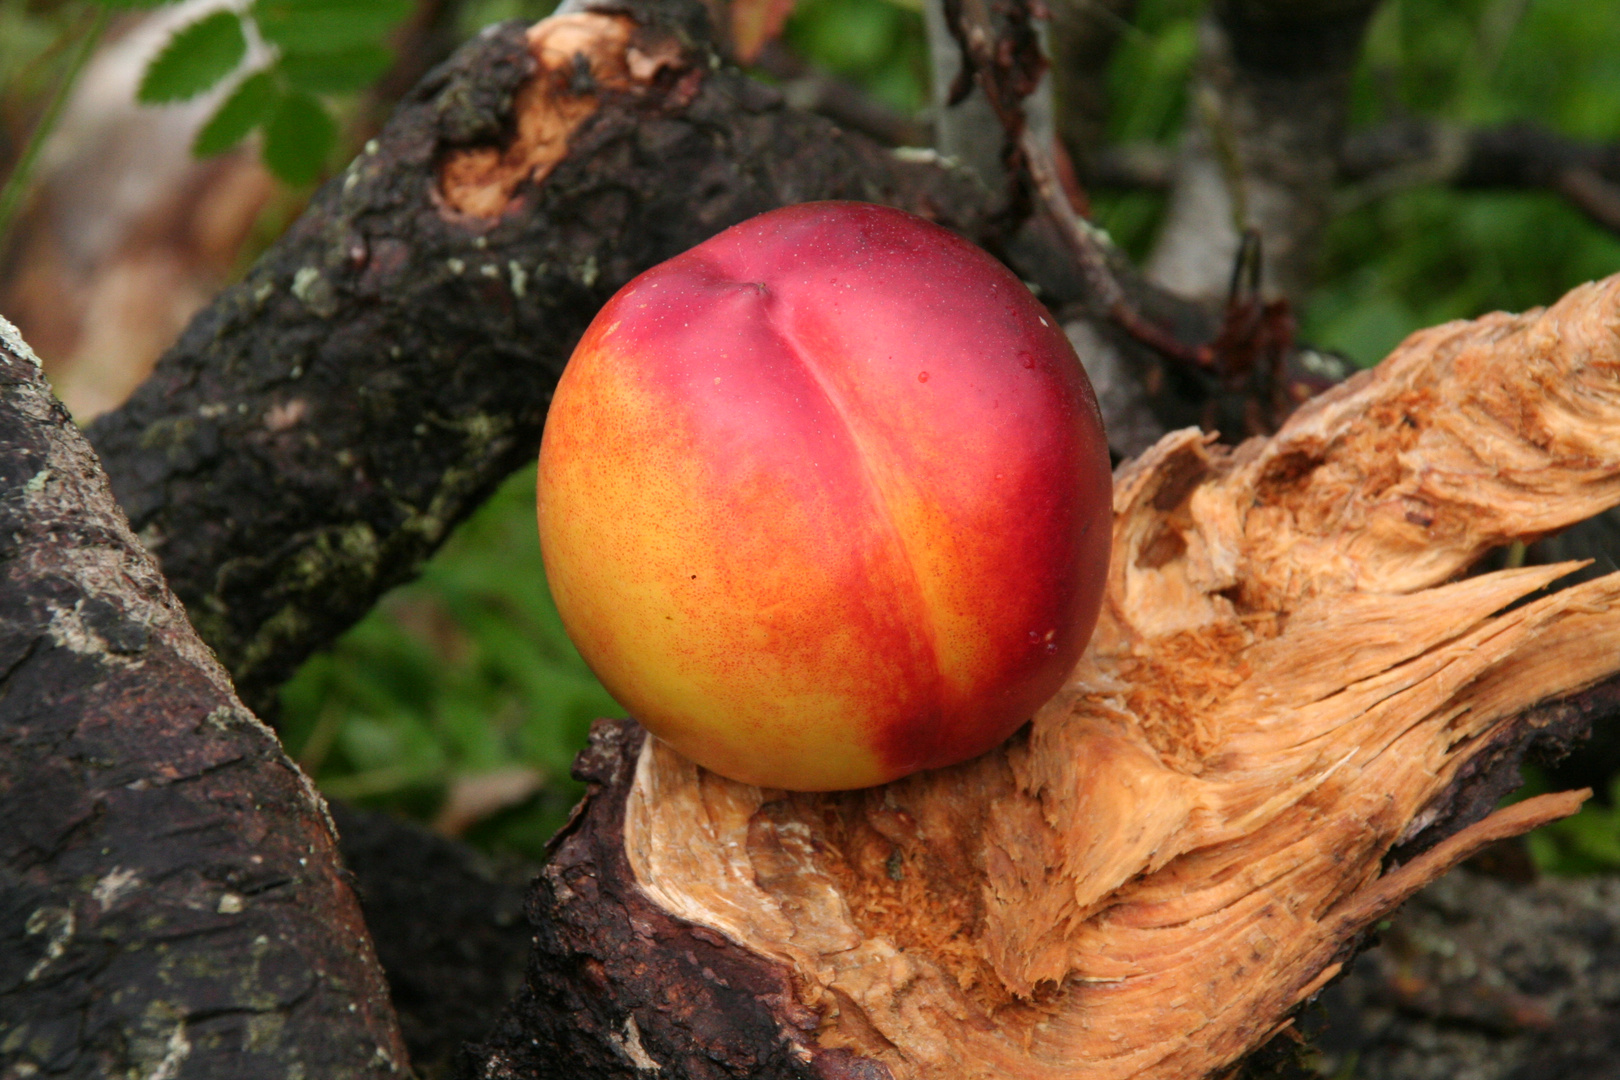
(825, 500)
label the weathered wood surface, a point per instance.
(171, 900)
(1295, 714)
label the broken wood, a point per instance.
(1295, 713)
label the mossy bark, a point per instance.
(171, 900)
(319, 429)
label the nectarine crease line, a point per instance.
(864, 452)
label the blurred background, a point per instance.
(151, 155)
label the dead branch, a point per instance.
(1513, 157)
(845, 104)
(1410, 153)
(169, 881)
(1291, 719)
(1096, 256)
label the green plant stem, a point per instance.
(16, 186)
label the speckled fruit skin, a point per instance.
(826, 499)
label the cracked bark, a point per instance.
(171, 901)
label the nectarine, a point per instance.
(826, 499)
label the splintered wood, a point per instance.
(1289, 672)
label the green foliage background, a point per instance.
(467, 670)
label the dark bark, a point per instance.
(1544, 734)
(448, 926)
(1483, 978)
(171, 903)
(617, 988)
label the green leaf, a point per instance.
(327, 26)
(248, 106)
(297, 138)
(196, 57)
(341, 72)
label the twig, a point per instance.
(1594, 196)
(1091, 249)
(1517, 156)
(1007, 68)
(1007, 63)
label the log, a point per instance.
(171, 899)
(1297, 711)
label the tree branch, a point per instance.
(1268, 109)
(1513, 157)
(319, 430)
(845, 104)
(1410, 153)
(170, 892)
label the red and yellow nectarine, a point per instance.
(826, 499)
